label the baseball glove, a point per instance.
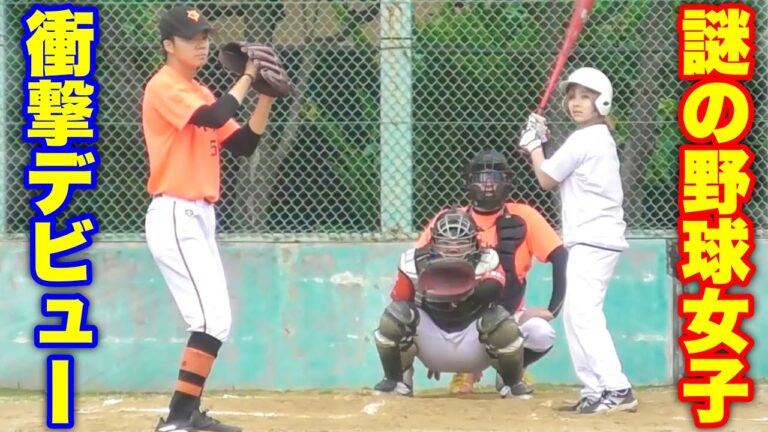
(271, 80)
(447, 280)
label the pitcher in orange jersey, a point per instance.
(518, 233)
(186, 128)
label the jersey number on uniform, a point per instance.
(214, 147)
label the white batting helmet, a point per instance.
(592, 79)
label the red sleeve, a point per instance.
(490, 285)
(403, 289)
(496, 275)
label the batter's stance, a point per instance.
(587, 170)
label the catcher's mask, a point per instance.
(488, 181)
(454, 235)
(449, 275)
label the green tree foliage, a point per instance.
(479, 68)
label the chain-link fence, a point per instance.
(386, 115)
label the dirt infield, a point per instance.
(366, 411)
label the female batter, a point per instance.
(586, 168)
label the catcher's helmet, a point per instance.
(488, 181)
(454, 235)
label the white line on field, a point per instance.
(165, 411)
(88, 410)
(239, 413)
(372, 408)
(97, 408)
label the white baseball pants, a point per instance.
(462, 351)
(590, 344)
(181, 236)
(538, 334)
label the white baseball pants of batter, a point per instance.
(593, 353)
(462, 351)
(181, 236)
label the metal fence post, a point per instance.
(396, 116)
(678, 361)
(3, 137)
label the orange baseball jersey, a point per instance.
(184, 159)
(540, 239)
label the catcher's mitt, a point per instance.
(447, 280)
(271, 80)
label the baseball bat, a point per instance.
(581, 8)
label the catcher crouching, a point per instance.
(444, 312)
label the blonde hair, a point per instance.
(607, 119)
(610, 122)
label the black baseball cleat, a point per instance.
(199, 421)
(393, 387)
(608, 402)
(520, 390)
(176, 426)
(586, 405)
(618, 400)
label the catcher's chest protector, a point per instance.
(511, 230)
(449, 317)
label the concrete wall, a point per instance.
(303, 318)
